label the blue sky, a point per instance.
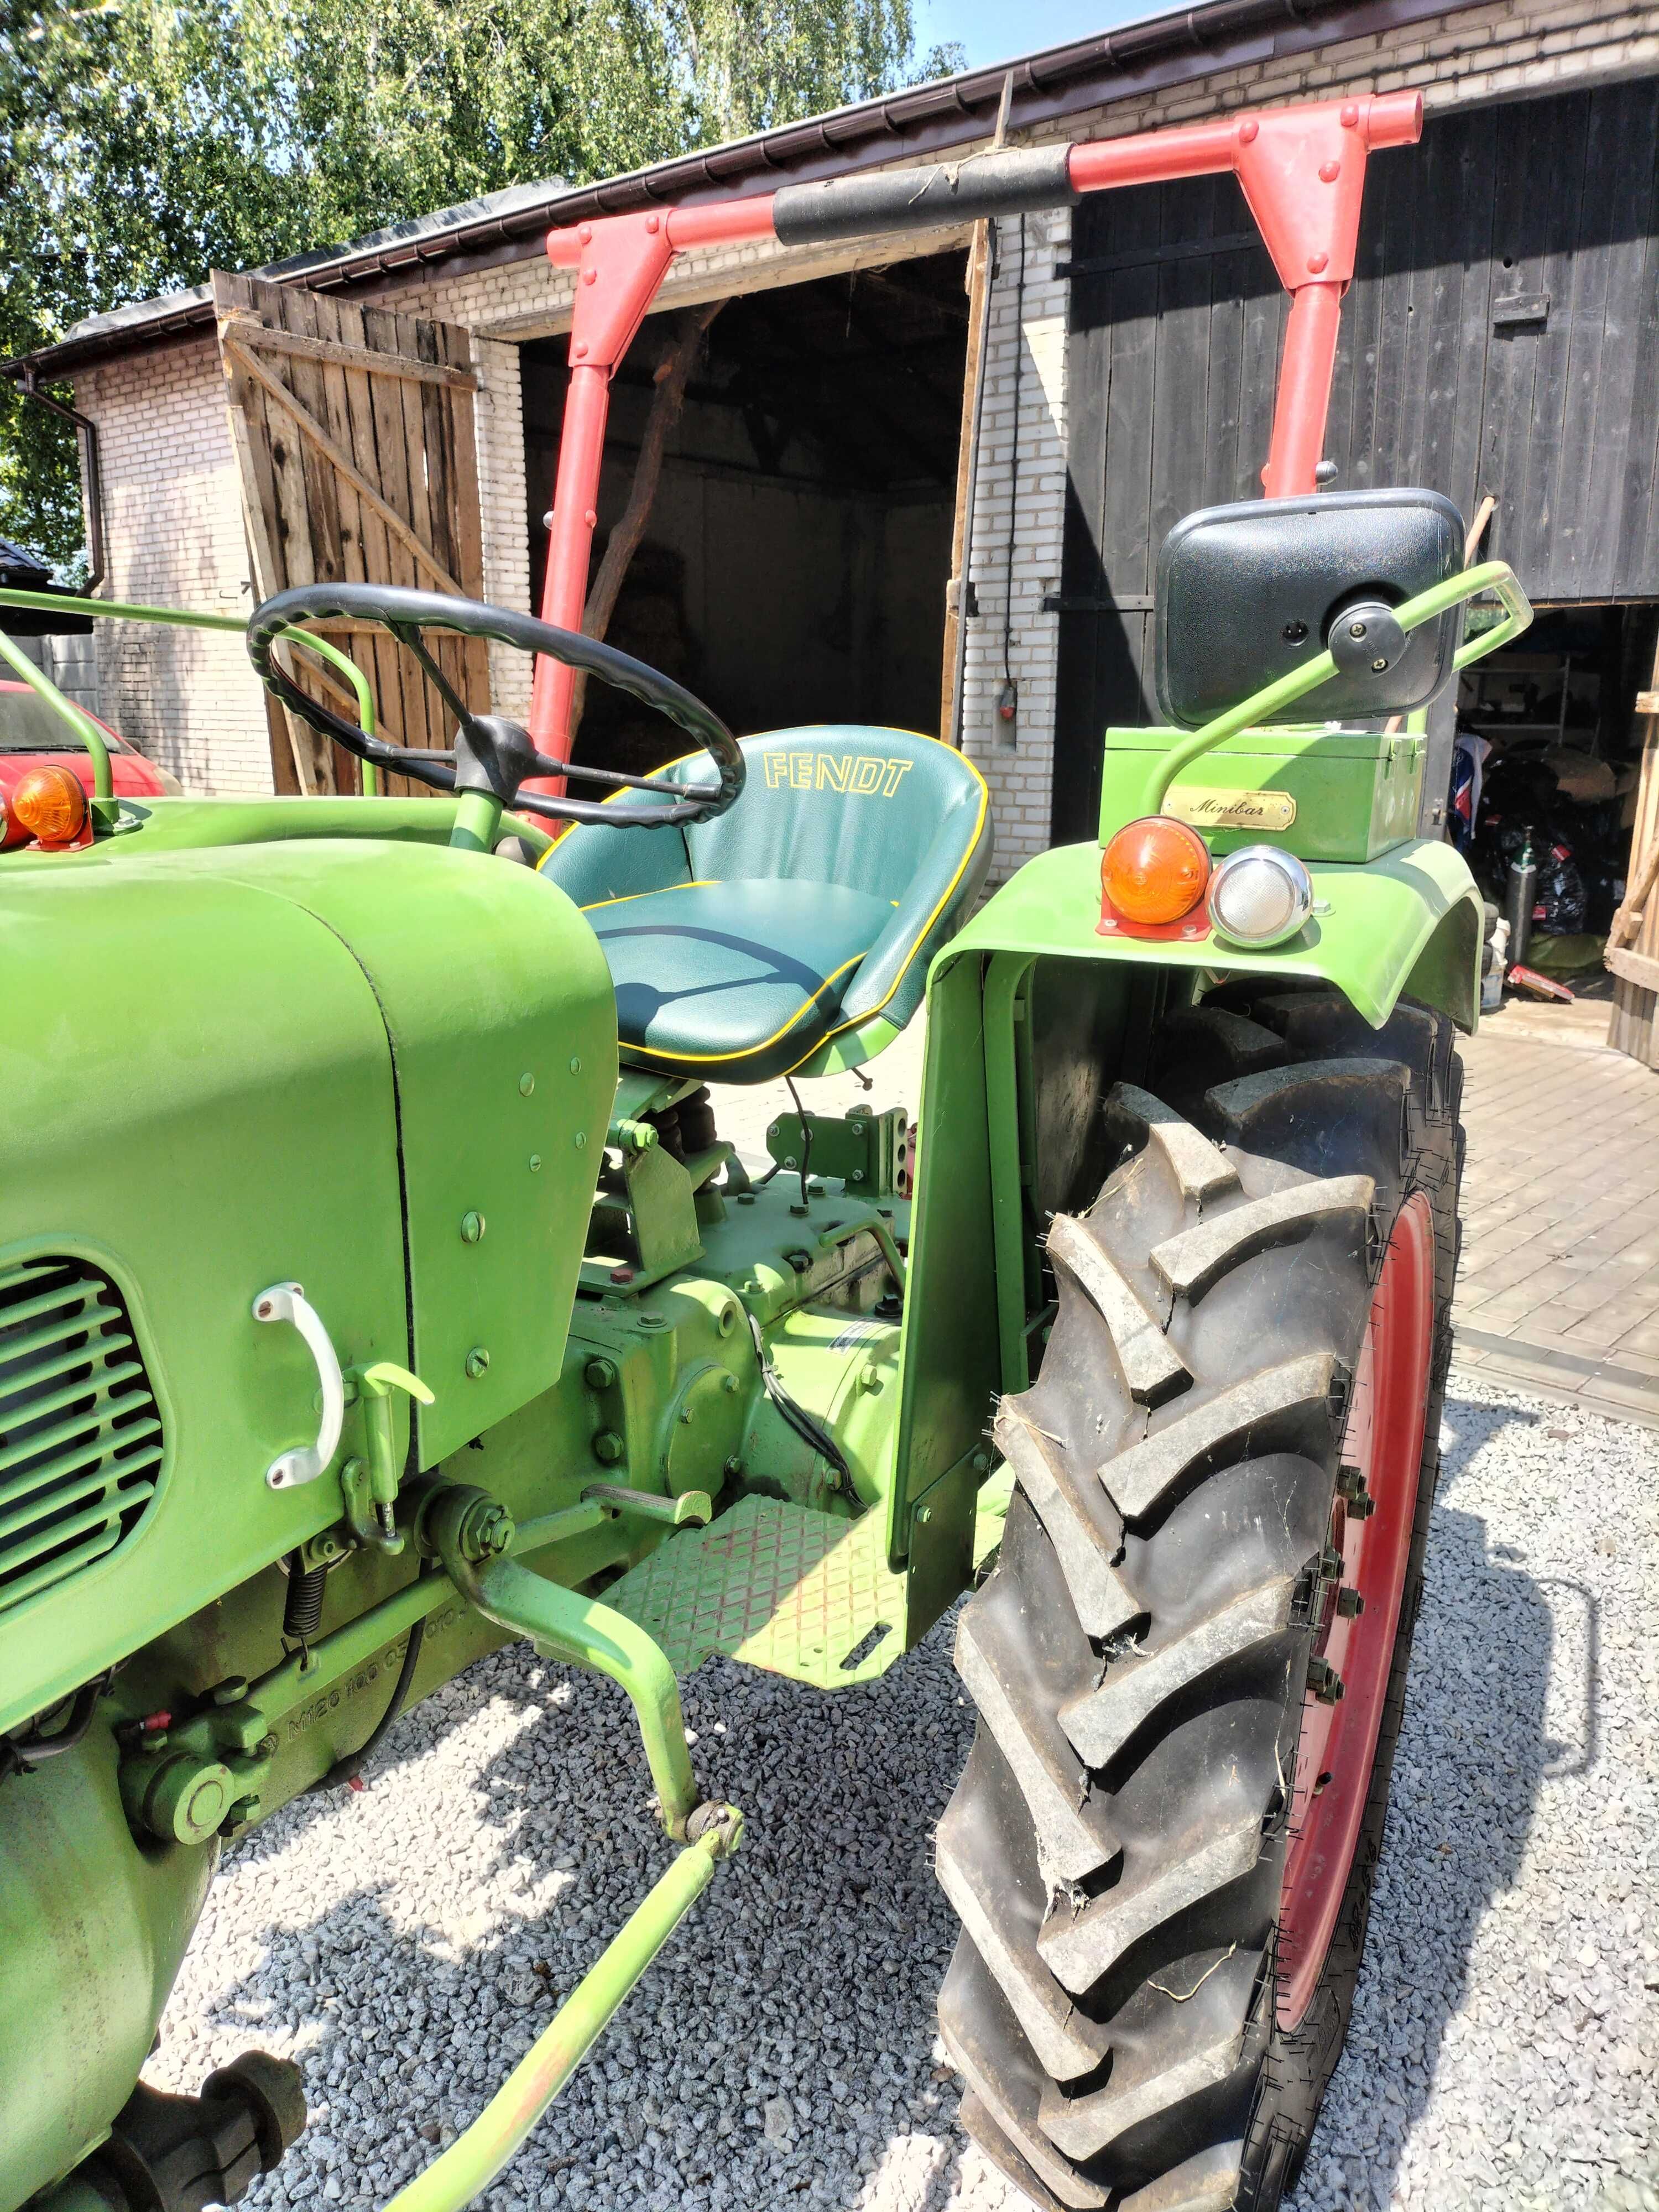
(1001, 30)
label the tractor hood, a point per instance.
(381, 1071)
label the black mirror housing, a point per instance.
(1250, 592)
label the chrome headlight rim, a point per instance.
(1290, 870)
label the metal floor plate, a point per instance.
(777, 1586)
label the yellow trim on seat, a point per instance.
(623, 898)
(853, 1021)
(713, 1059)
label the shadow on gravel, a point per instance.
(1471, 1754)
(781, 2050)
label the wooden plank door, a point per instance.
(354, 434)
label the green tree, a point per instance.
(145, 142)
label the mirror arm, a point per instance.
(1502, 582)
(1495, 576)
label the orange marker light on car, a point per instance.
(1154, 872)
(51, 805)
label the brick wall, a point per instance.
(503, 507)
(1019, 509)
(173, 519)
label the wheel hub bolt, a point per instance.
(1349, 1604)
(1350, 1486)
(1324, 1682)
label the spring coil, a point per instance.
(302, 1612)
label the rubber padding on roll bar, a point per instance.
(1006, 182)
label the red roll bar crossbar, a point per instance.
(1303, 172)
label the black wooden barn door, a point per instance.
(1176, 316)
(1501, 336)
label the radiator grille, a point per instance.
(80, 1436)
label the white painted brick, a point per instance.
(174, 537)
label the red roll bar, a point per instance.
(1303, 172)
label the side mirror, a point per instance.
(1249, 593)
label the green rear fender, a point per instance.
(1408, 924)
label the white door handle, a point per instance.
(288, 1301)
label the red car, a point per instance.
(33, 735)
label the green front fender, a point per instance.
(1020, 1050)
(1408, 923)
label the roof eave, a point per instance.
(1181, 46)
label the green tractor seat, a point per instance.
(792, 932)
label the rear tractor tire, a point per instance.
(1189, 1663)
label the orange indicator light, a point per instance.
(1155, 871)
(51, 805)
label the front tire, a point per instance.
(1189, 1664)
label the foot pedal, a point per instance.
(806, 1595)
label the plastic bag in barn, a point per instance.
(1559, 903)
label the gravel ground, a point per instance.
(408, 1943)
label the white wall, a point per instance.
(172, 525)
(72, 665)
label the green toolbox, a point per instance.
(1324, 794)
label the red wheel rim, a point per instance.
(1384, 1441)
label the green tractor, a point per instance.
(439, 1312)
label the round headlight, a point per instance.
(1260, 896)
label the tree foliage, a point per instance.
(143, 142)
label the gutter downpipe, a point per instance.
(86, 434)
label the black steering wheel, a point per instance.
(492, 754)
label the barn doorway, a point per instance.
(792, 568)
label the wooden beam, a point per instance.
(1634, 1027)
(325, 677)
(264, 581)
(251, 331)
(956, 589)
(1628, 920)
(310, 427)
(962, 526)
(1632, 968)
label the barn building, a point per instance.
(391, 408)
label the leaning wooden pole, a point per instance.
(673, 374)
(959, 589)
(957, 602)
(1633, 947)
